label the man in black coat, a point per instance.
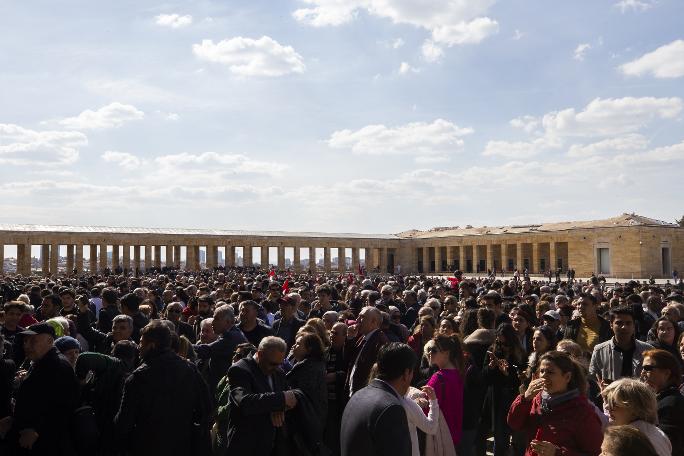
(374, 422)
(258, 398)
(46, 398)
(165, 408)
(100, 342)
(220, 352)
(287, 326)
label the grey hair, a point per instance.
(122, 317)
(273, 343)
(224, 312)
(205, 322)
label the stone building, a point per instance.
(625, 246)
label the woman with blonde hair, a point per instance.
(626, 441)
(630, 401)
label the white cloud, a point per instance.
(419, 139)
(219, 163)
(111, 116)
(451, 22)
(632, 142)
(249, 57)
(526, 123)
(611, 116)
(634, 5)
(665, 62)
(172, 116)
(581, 50)
(22, 146)
(396, 44)
(519, 149)
(405, 68)
(173, 20)
(123, 159)
(431, 51)
(518, 35)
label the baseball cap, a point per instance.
(39, 328)
(66, 343)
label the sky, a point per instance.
(370, 116)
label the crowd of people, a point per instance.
(240, 361)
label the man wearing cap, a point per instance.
(47, 395)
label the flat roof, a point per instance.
(182, 231)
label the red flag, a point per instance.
(286, 286)
(271, 273)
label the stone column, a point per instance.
(212, 256)
(534, 261)
(136, 257)
(169, 256)
(449, 257)
(247, 256)
(148, 257)
(157, 256)
(426, 260)
(281, 257)
(116, 258)
(297, 259)
(438, 259)
(103, 257)
(504, 257)
(326, 259)
(382, 252)
(23, 259)
(45, 259)
(553, 261)
(54, 259)
(312, 259)
(341, 261)
(70, 259)
(264, 257)
(189, 257)
(230, 256)
(2, 258)
(177, 256)
(126, 257)
(196, 257)
(355, 260)
(490, 256)
(79, 258)
(92, 261)
(476, 259)
(519, 263)
(462, 258)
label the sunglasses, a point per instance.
(649, 367)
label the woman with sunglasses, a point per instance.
(447, 355)
(661, 371)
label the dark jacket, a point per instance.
(374, 423)
(363, 355)
(139, 322)
(220, 354)
(106, 317)
(309, 417)
(45, 402)
(287, 332)
(671, 418)
(259, 332)
(251, 401)
(185, 329)
(98, 341)
(165, 409)
(573, 328)
(7, 370)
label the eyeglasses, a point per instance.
(649, 367)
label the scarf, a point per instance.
(548, 402)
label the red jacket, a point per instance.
(573, 426)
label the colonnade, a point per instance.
(475, 257)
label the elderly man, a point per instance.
(173, 314)
(45, 400)
(98, 341)
(361, 349)
(220, 352)
(288, 324)
(258, 398)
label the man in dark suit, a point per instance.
(257, 401)
(361, 351)
(287, 326)
(374, 422)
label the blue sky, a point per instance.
(339, 115)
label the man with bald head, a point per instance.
(361, 349)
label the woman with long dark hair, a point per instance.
(555, 412)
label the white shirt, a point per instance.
(660, 441)
(417, 420)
